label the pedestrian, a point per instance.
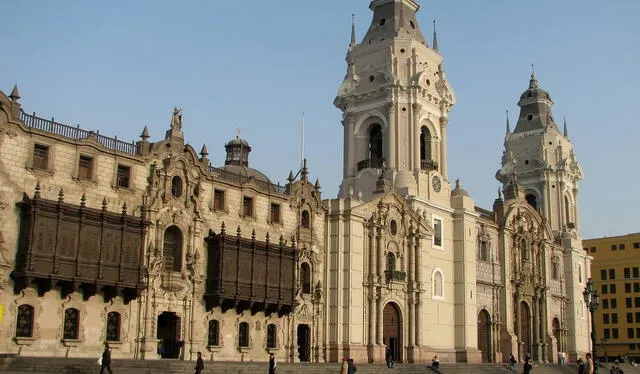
(527, 366)
(273, 363)
(589, 368)
(435, 362)
(106, 360)
(199, 364)
(344, 368)
(581, 367)
(388, 356)
(351, 367)
(512, 363)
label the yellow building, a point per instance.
(616, 275)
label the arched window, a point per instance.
(271, 335)
(532, 200)
(305, 219)
(113, 327)
(176, 186)
(524, 250)
(438, 285)
(554, 270)
(172, 249)
(24, 322)
(375, 142)
(305, 277)
(425, 144)
(483, 251)
(213, 339)
(243, 334)
(71, 327)
(391, 262)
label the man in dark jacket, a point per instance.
(273, 364)
(106, 360)
(199, 364)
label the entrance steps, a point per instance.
(41, 365)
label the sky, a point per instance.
(256, 65)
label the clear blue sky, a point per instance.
(120, 65)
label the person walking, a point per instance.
(351, 367)
(512, 363)
(106, 360)
(581, 366)
(589, 367)
(273, 363)
(527, 366)
(388, 356)
(199, 364)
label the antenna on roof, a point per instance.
(302, 142)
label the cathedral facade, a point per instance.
(149, 248)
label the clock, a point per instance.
(436, 183)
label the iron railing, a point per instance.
(374, 163)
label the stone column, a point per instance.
(348, 124)
(411, 294)
(372, 278)
(576, 212)
(380, 256)
(544, 200)
(418, 278)
(545, 326)
(391, 138)
(443, 148)
(535, 326)
(415, 130)
(372, 253)
(380, 321)
(372, 318)
(518, 326)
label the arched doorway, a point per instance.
(304, 343)
(484, 335)
(555, 326)
(525, 329)
(392, 331)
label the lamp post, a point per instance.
(592, 299)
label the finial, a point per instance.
(267, 237)
(238, 231)
(317, 185)
(83, 200)
(435, 36)
(499, 193)
(253, 235)
(533, 71)
(145, 134)
(237, 133)
(457, 183)
(36, 194)
(15, 94)
(304, 169)
(204, 152)
(61, 196)
(124, 209)
(281, 239)
(508, 125)
(222, 228)
(566, 131)
(353, 31)
(291, 178)
(104, 204)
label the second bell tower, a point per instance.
(395, 101)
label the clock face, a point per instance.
(436, 183)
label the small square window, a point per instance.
(614, 332)
(627, 287)
(636, 287)
(630, 334)
(612, 274)
(614, 303)
(247, 206)
(607, 334)
(275, 213)
(636, 302)
(603, 274)
(218, 199)
(635, 272)
(123, 176)
(627, 273)
(593, 250)
(614, 318)
(629, 317)
(40, 156)
(621, 246)
(604, 289)
(614, 247)
(612, 289)
(605, 318)
(636, 245)
(637, 317)
(85, 167)
(605, 303)
(628, 302)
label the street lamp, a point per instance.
(592, 299)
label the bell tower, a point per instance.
(540, 159)
(395, 101)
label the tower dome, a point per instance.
(237, 152)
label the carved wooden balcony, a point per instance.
(247, 274)
(373, 163)
(76, 247)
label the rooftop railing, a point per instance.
(76, 133)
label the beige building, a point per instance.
(149, 248)
(616, 276)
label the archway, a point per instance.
(484, 335)
(392, 330)
(525, 329)
(555, 326)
